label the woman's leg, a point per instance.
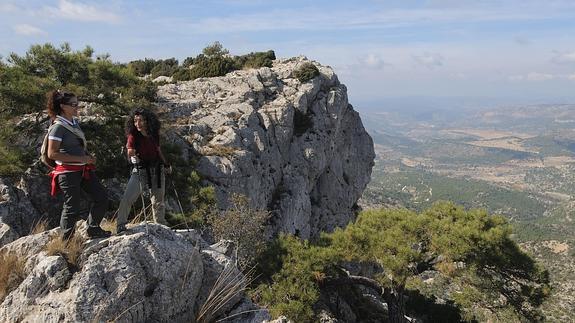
(130, 196)
(99, 197)
(70, 185)
(158, 205)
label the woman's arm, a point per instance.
(55, 154)
(131, 152)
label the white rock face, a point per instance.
(138, 277)
(153, 275)
(297, 149)
(17, 214)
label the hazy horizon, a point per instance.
(449, 103)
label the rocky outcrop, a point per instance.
(298, 149)
(17, 214)
(146, 275)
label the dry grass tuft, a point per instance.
(229, 284)
(142, 213)
(69, 249)
(109, 225)
(11, 273)
(39, 226)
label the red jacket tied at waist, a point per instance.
(60, 169)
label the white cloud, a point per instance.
(534, 76)
(372, 61)
(27, 30)
(571, 77)
(7, 7)
(459, 76)
(310, 18)
(429, 60)
(81, 12)
(564, 58)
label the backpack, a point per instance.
(44, 150)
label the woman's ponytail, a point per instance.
(54, 99)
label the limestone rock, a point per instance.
(162, 78)
(144, 275)
(297, 149)
(130, 278)
(17, 214)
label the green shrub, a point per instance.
(201, 200)
(105, 141)
(256, 60)
(21, 92)
(60, 64)
(216, 49)
(10, 161)
(165, 67)
(306, 72)
(139, 94)
(243, 225)
(189, 61)
(216, 61)
(470, 254)
(142, 67)
(182, 74)
(211, 66)
(292, 291)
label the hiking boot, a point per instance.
(97, 232)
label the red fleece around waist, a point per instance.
(60, 169)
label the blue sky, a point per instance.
(520, 50)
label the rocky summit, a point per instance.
(297, 149)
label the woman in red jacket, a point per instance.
(149, 166)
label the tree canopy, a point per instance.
(470, 256)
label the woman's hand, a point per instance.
(89, 159)
(135, 160)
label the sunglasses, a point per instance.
(73, 104)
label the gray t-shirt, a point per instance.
(69, 143)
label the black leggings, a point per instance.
(72, 184)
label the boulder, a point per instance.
(148, 274)
(142, 276)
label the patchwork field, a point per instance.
(520, 164)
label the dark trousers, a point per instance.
(72, 184)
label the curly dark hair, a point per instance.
(152, 123)
(54, 100)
